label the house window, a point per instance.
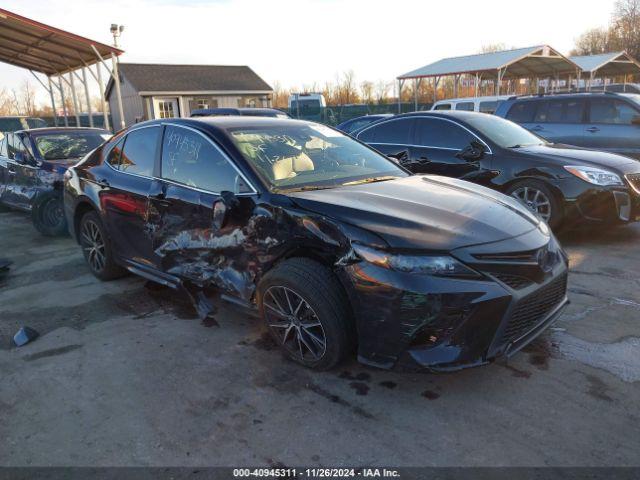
(165, 109)
(202, 102)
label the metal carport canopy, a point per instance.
(608, 64)
(51, 51)
(538, 61)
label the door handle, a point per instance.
(593, 129)
(103, 183)
(11, 171)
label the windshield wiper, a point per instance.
(371, 180)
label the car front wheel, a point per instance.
(538, 198)
(48, 215)
(306, 312)
(97, 248)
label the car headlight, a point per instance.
(597, 176)
(438, 265)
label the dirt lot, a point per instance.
(124, 374)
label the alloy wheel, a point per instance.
(294, 324)
(535, 200)
(93, 245)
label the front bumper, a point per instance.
(441, 324)
(597, 204)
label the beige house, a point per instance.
(163, 91)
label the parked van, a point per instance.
(307, 106)
(471, 104)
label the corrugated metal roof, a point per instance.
(589, 63)
(537, 60)
(613, 63)
(42, 48)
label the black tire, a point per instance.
(48, 216)
(92, 234)
(324, 299)
(556, 214)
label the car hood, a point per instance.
(423, 212)
(570, 155)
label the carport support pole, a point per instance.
(105, 115)
(74, 97)
(400, 82)
(87, 96)
(53, 102)
(415, 94)
(116, 81)
(64, 103)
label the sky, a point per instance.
(300, 43)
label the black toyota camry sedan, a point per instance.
(336, 246)
(564, 185)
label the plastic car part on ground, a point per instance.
(24, 336)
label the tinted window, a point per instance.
(60, 146)
(113, 158)
(560, 111)
(466, 106)
(433, 132)
(190, 159)
(503, 132)
(10, 124)
(522, 112)
(139, 152)
(357, 124)
(36, 123)
(488, 107)
(393, 131)
(612, 111)
(3, 147)
(443, 106)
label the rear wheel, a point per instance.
(538, 198)
(97, 248)
(48, 215)
(306, 312)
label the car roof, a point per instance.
(543, 96)
(459, 114)
(61, 130)
(227, 121)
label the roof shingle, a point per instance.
(190, 78)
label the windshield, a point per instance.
(61, 146)
(504, 133)
(310, 156)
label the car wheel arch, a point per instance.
(83, 206)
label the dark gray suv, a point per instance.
(602, 121)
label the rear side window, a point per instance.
(611, 111)
(433, 132)
(466, 106)
(190, 159)
(10, 124)
(488, 107)
(560, 111)
(113, 158)
(394, 132)
(3, 147)
(443, 106)
(139, 152)
(522, 112)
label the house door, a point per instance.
(166, 107)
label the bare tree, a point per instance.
(346, 88)
(366, 91)
(592, 42)
(624, 31)
(382, 91)
(493, 47)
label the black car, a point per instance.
(32, 164)
(354, 124)
(246, 111)
(564, 185)
(332, 243)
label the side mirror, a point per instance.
(472, 152)
(222, 208)
(635, 120)
(400, 158)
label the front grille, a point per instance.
(530, 311)
(513, 281)
(525, 256)
(634, 180)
